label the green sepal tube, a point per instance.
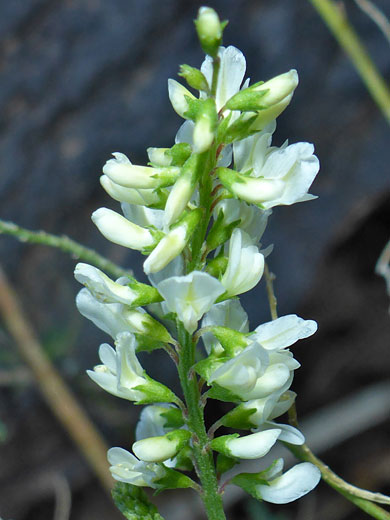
(232, 341)
(155, 392)
(239, 418)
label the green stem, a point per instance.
(204, 462)
(66, 244)
(352, 493)
(334, 17)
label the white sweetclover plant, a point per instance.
(197, 212)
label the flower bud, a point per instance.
(251, 446)
(102, 287)
(142, 323)
(122, 172)
(121, 231)
(173, 243)
(266, 95)
(206, 121)
(182, 190)
(164, 447)
(177, 96)
(209, 29)
(251, 189)
(132, 195)
(194, 77)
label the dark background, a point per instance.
(80, 79)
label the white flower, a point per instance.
(241, 373)
(277, 377)
(190, 296)
(106, 316)
(102, 287)
(143, 216)
(251, 446)
(119, 230)
(295, 483)
(122, 172)
(283, 332)
(253, 219)
(230, 76)
(267, 408)
(151, 422)
(127, 468)
(203, 135)
(130, 195)
(162, 447)
(245, 266)
(166, 250)
(280, 176)
(287, 433)
(278, 88)
(177, 96)
(224, 314)
(121, 371)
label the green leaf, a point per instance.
(133, 503)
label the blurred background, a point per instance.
(80, 79)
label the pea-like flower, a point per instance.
(122, 375)
(190, 296)
(245, 266)
(289, 486)
(251, 446)
(125, 467)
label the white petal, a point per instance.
(142, 216)
(284, 332)
(288, 433)
(108, 356)
(231, 74)
(177, 95)
(166, 250)
(294, 484)
(119, 230)
(190, 296)
(119, 456)
(185, 133)
(253, 446)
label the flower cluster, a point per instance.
(198, 212)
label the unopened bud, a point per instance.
(177, 96)
(209, 29)
(121, 231)
(194, 77)
(164, 447)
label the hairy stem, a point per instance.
(67, 245)
(336, 20)
(203, 457)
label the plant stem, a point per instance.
(204, 462)
(336, 20)
(360, 497)
(272, 301)
(66, 244)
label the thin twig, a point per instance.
(269, 282)
(57, 395)
(337, 22)
(66, 244)
(63, 497)
(376, 15)
(360, 497)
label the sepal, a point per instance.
(220, 232)
(154, 392)
(232, 341)
(174, 480)
(239, 418)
